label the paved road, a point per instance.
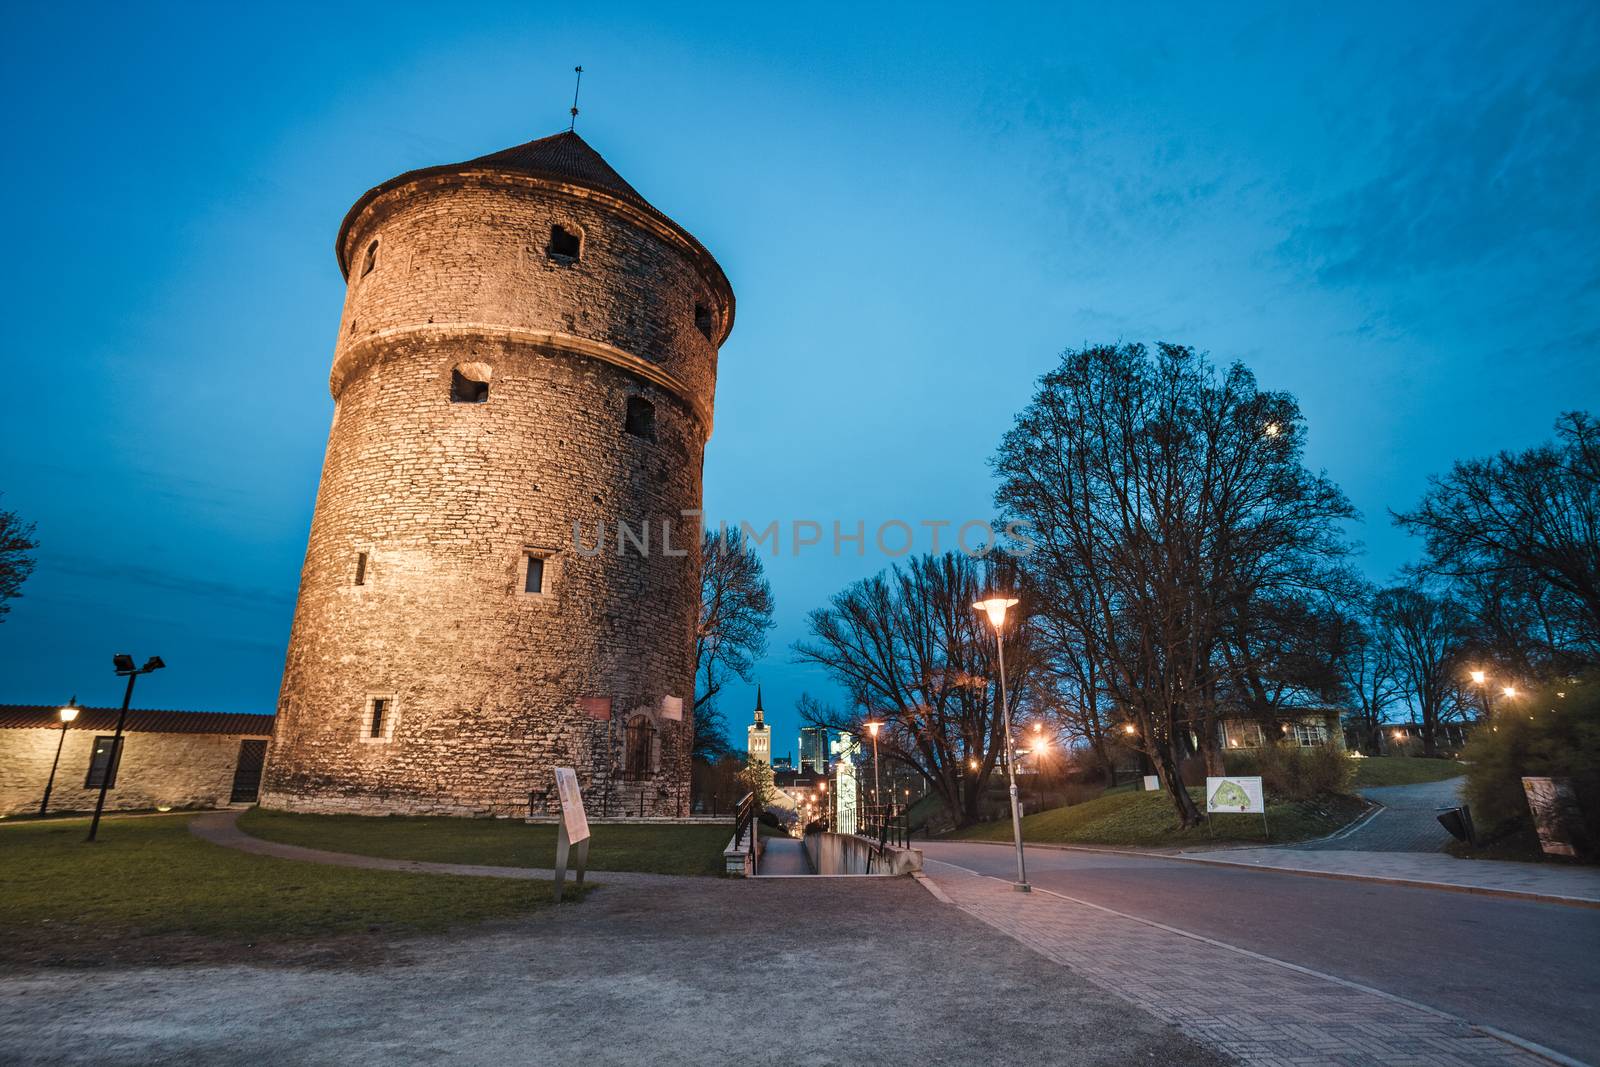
(1530, 969)
(1407, 823)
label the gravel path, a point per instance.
(691, 971)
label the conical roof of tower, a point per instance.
(563, 158)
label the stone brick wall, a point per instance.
(173, 769)
(446, 499)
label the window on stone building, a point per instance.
(375, 720)
(564, 244)
(1310, 734)
(103, 763)
(371, 262)
(533, 574)
(641, 418)
(361, 568)
(639, 747)
(702, 320)
(467, 389)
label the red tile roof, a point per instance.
(140, 720)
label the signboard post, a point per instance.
(573, 828)
(1242, 796)
(1556, 816)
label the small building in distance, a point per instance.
(176, 759)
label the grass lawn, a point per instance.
(1405, 770)
(60, 896)
(1126, 818)
(661, 849)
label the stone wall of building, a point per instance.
(446, 500)
(179, 770)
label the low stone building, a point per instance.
(177, 759)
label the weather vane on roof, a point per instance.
(575, 87)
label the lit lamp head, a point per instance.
(1510, 691)
(1479, 677)
(995, 607)
(1129, 728)
(70, 711)
(872, 728)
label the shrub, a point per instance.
(1291, 772)
(1543, 734)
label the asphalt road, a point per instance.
(1530, 969)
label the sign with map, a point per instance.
(572, 817)
(1237, 795)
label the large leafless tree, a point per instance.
(1168, 510)
(17, 545)
(907, 649)
(1425, 635)
(736, 607)
(1520, 534)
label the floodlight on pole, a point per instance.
(995, 607)
(122, 663)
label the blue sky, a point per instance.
(1389, 210)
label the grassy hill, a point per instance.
(1148, 819)
(1405, 770)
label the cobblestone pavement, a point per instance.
(1261, 1010)
(1407, 822)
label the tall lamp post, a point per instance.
(1481, 680)
(995, 608)
(123, 663)
(877, 782)
(67, 714)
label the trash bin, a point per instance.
(1458, 821)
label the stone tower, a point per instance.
(758, 735)
(527, 358)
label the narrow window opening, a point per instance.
(467, 390)
(361, 568)
(371, 262)
(380, 707)
(533, 582)
(564, 244)
(702, 320)
(639, 748)
(641, 418)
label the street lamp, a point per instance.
(66, 714)
(877, 782)
(123, 664)
(995, 607)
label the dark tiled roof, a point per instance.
(563, 157)
(140, 720)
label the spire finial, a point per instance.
(576, 85)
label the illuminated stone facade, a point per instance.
(527, 348)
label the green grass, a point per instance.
(661, 849)
(150, 876)
(1148, 819)
(1404, 770)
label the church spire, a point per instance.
(760, 714)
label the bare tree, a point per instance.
(908, 649)
(1166, 503)
(1521, 532)
(1369, 675)
(17, 545)
(736, 607)
(1425, 635)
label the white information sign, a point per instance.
(1238, 795)
(572, 816)
(1152, 784)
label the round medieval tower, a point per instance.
(525, 369)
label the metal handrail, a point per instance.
(746, 820)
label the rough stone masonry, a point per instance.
(526, 345)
